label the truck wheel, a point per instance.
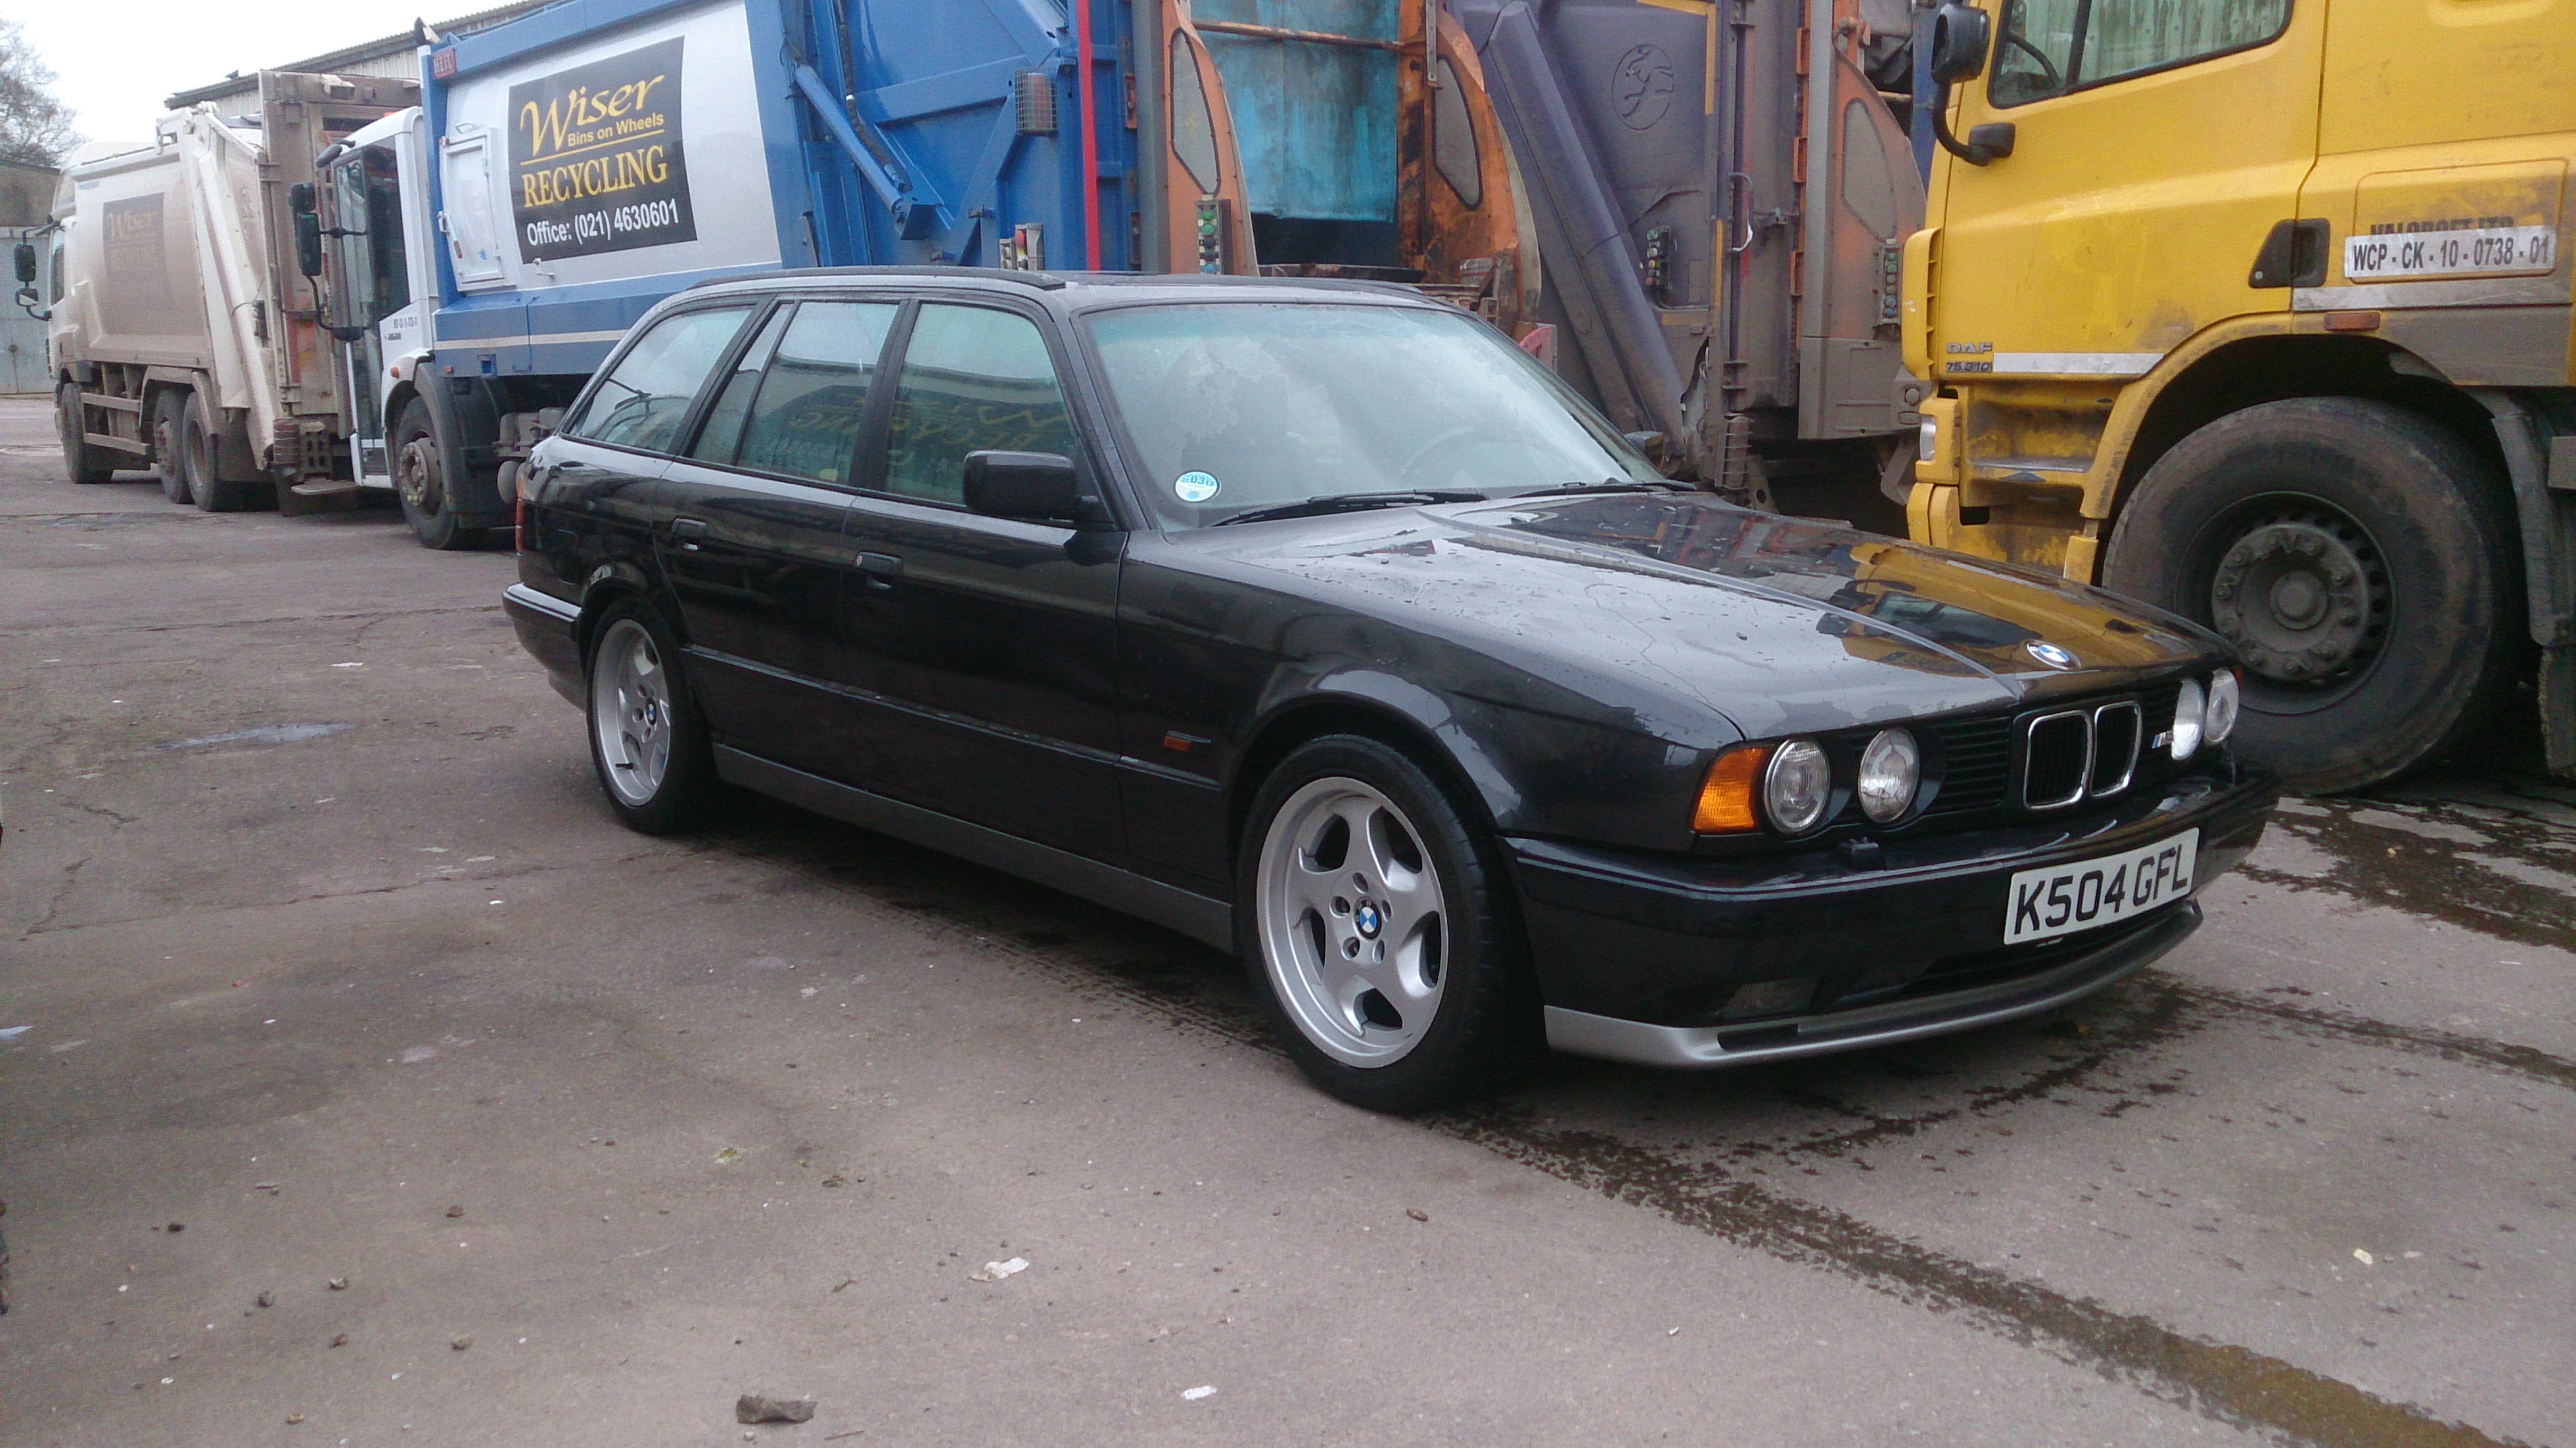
(169, 407)
(420, 479)
(2360, 559)
(647, 740)
(1379, 931)
(86, 464)
(197, 449)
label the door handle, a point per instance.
(688, 533)
(880, 570)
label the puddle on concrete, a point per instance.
(2231, 1384)
(264, 734)
(2503, 866)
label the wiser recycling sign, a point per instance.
(595, 158)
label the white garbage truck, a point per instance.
(182, 314)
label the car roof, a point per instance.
(1069, 291)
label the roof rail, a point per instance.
(1037, 280)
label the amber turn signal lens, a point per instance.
(1726, 800)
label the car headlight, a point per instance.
(2219, 717)
(2190, 712)
(1890, 769)
(1797, 786)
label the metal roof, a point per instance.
(353, 56)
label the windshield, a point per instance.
(1235, 406)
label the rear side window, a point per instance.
(2050, 47)
(814, 395)
(641, 403)
(973, 379)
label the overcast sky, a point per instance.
(116, 59)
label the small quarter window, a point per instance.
(641, 403)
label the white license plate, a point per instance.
(2063, 899)
(2466, 252)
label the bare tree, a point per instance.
(35, 125)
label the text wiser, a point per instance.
(587, 120)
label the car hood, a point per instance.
(1780, 624)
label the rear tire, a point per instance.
(201, 449)
(648, 741)
(169, 410)
(86, 464)
(420, 480)
(1379, 932)
(2361, 559)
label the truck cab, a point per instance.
(2260, 310)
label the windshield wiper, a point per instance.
(1350, 503)
(1612, 485)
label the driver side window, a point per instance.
(2034, 51)
(2049, 47)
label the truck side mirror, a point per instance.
(1038, 487)
(308, 243)
(299, 198)
(1961, 35)
(27, 263)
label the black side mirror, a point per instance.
(308, 243)
(1961, 35)
(299, 198)
(26, 263)
(1038, 487)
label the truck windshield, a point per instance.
(1236, 407)
(372, 280)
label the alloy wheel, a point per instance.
(630, 710)
(1352, 924)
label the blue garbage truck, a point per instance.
(1690, 208)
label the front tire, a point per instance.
(1378, 930)
(420, 479)
(86, 464)
(647, 739)
(2363, 562)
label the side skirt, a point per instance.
(1187, 912)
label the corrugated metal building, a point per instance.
(395, 55)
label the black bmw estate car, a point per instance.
(1317, 621)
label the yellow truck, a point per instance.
(2260, 310)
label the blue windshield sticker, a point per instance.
(1194, 487)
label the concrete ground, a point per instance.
(378, 1088)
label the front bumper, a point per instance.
(549, 628)
(1638, 955)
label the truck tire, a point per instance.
(169, 410)
(420, 481)
(86, 464)
(199, 449)
(2363, 563)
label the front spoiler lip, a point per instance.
(1581, 1033)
